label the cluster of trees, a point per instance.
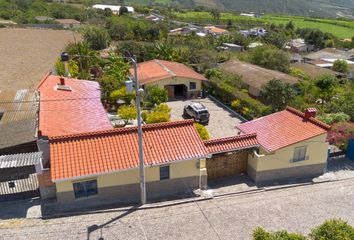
(333, 229)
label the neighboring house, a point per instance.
(215, 31)
(293, 145)
(254, 32)
(114, 8)
(314, 71)
(255, 44)
(330, 53)
(69, 106)
(299, 46)
(184, 31)
(18, 121)
(68, 23)
(179, 80)
(154, 18)
(18, 178)
(44, 19)
(105, 164)
(255, 77)
(232, 47)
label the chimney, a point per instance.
(62, 81)
(310, 112)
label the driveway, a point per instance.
(222, 122)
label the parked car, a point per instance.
(197, 111)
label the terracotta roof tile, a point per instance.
(284, 128)
(64, 112)
(232, 143)
(117, 149)
(155, 70)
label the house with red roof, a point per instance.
(70, 106)
(179, 80)
(292, 145)
(105, 164)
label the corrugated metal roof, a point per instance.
(20, 160)
(19, 120)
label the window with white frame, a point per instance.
(299, 154)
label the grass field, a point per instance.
(339, 28)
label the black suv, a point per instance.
(197, 111)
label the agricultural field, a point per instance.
(28, 54)
(339, 28)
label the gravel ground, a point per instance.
(295, 209)
(221, 123)
(28, 54)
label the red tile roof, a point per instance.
(156, 70)
(284, 128)
(64, 112)
(117, 149)
(232, 143)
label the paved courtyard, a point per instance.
(233, 217)
(222, 122)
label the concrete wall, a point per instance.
(279, 165)
(124, 186)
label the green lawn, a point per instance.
(339, 28)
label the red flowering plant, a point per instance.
(340, 134)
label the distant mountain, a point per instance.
(317, 8)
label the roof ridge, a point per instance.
(164, 67)
(21, 154)
(119, 130)
(226, 139)
(43, 80)
(311, 119)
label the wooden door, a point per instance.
(224, 165)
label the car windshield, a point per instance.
(203, 112)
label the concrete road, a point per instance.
(222, 122)
(235, 217)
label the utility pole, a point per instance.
(139, 92)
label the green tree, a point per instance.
(127, 113)
(326, 88)
(340, 66)
(155, 96)
(333, 229)
(290, 26)
(117, 67)
(278, 94)
(215, 13)
(97, 37)
(72, 66)
(270, 57)
(123, 10)
(202, 131)
(276, 39)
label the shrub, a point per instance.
(340, 134)
(261, 234)
(334, 118)
(161, 113)
(333, 229)
(122, 94)
(340, 66)
(155, 96)
(202, 131)
(72, 66)
(127, 113)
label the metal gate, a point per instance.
(226, 165)
(19, 188)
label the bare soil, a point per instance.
(26, 55)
